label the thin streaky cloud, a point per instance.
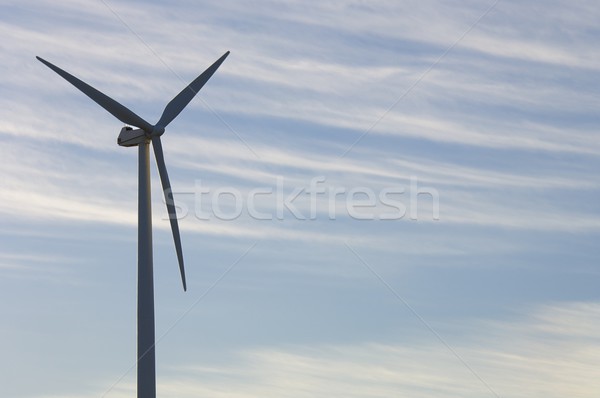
(422, 320)
(420, 78)
(504, 127)
(538, 352)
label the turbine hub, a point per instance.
(157, 130)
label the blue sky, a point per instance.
(491, 105)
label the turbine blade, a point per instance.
(164, 179)
(117, 110)
(177, 104)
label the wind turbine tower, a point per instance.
(142, 137)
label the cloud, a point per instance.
(543, 353)
(270, 80)
(504, 127)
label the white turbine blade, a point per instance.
(117, 110)
(164, 179)
(177, 104)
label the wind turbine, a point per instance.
(146, 133)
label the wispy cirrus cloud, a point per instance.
(503, 127)
(542, 353)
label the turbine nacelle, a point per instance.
(130, 137)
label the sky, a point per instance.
(376, 198)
